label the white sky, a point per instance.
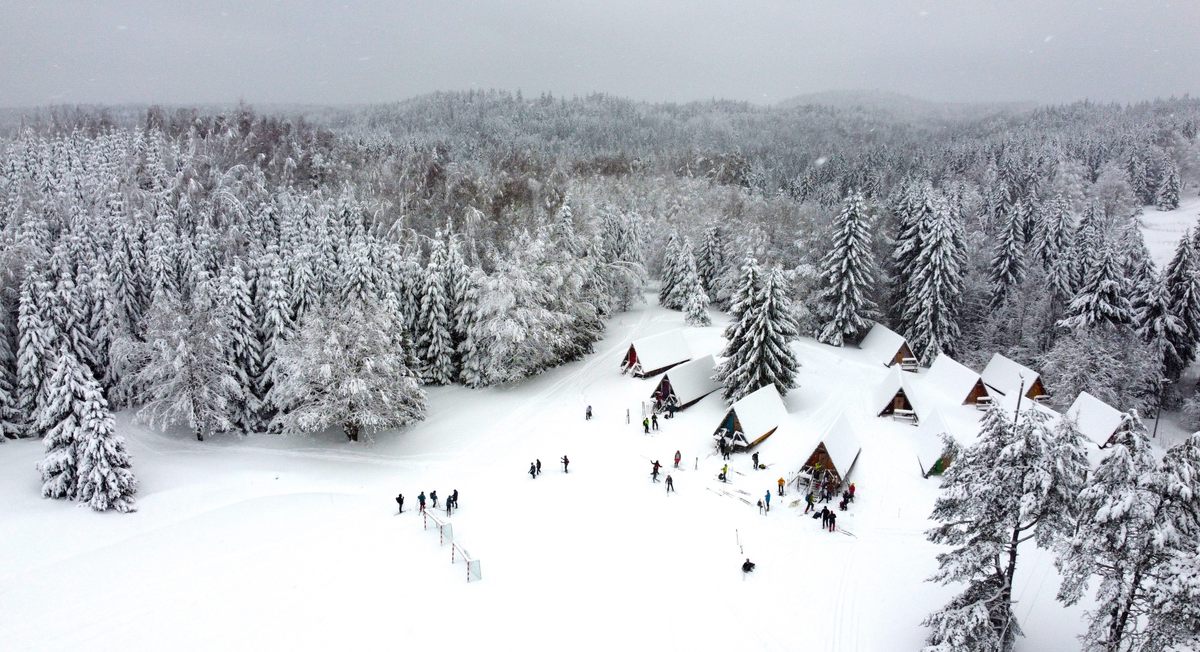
(307, 51)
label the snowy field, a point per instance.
(269, 543)
(1162, 229)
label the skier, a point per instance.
(400, 502)
(588, 414)
(780, 482)
(851, 492)
(421, 501)
(532, 471)
(454, 498)
(754, 458)
(725, 473)
(654, 421)
(565, 462)
(677, 458)
(768, 498)
(449, 507)
(433, 498)
(646, 426)
(833, 521)
(760, 506)
(654, 471)
(808, 502)
(539, 467)
(748, 566)
(825, 516)
(725, 446)
(670, 484)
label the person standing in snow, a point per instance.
(725, 473)
(724, 449)
(833, 521)
(748, 566)
(588, 415)
(677, 458)
(780, 482)
(400, 502)
(809, 503)
(654, 421)
(768, 499)
(654, 471)
(539, 467)
(851, 492)
(824, 517)
(421, 501)
(760, 506)
(670, 484)
(433, 498)
(646, 426)
(454, 498)
(532, 471)
(754, 459)
(449, 507)
(565, 462)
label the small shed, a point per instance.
(895, 397)
(888, 347)
(931, 445)
(754, 418)
(956, 380)
(1095, 419)
(655, 354)
(835, 454)
(1007, 377)
(686, 384)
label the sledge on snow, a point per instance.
(655, 354)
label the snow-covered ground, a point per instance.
(1162, 229)
(294, 543)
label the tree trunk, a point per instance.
(1006, 592)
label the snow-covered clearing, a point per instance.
(1162, 229)
(269, 543)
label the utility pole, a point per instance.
(1020, 394)
(1162, 388)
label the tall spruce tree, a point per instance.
(935, 287)
(1008, 258)
(58, 418)
(711, 258)
(106, 480)
(1183, 292)
(758, 351)
(672, 253)
(35, 349)
(1101, 301)
(1166, 198)
(435, 347)
(843, 305)
(1157, 325)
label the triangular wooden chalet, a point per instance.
(931, 446)
(1008, 377)
(1095, 419)
(888, 347)
(655, 354)
(835, 455)
(753, 419)
(956, 381)
(686, 384)
(894, 397)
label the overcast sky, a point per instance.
(306, 51)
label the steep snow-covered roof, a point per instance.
(1094, 418)
(693, 380)
(760, 411)
(928, 438)
(842, 443)
(882, 343)
(1006, 376)
(885, 391)
(951, 378)
(664, 349)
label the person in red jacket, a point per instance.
(677, 458)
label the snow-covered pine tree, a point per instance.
(1056, 231)
(843, 306)
(1018, 482)
(758, 351)
(1167, 196)
(711, 258)
(106, 480)
(695, 300)
(1158, 325)
(11, 422)
(35, 349)
(243, 345)
(1101, 301)
(435, 348)
(935, 287)
(275, 326)
(672, 252)
(1114, 540)
(1089, 236)
(1008, 258)
(346, 367)
(1174, 619)
(685, 264)
(183, 371)
(472, 360)
(58, 418)
(128, 283)
(1183, 293)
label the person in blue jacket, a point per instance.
(768, 500)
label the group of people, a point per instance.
(654, 468)
(535, 467)
(451, 502)
(650, 423)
